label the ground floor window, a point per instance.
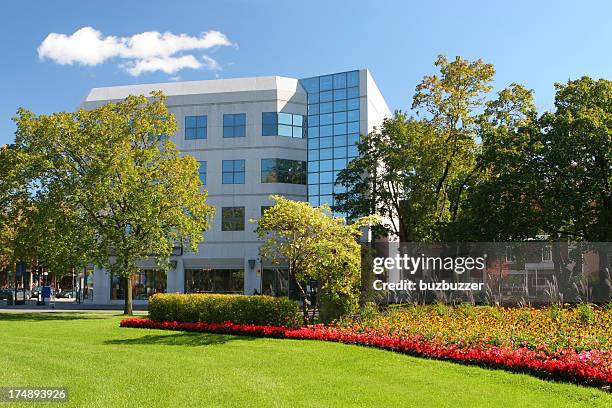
(214, 280)
(145, 282)
(276, 282)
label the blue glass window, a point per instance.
(352, 104)
(283, 171)
(326, 96)
(340, 117)
(313, 154)
(233, 171)
(339, 106)
(313, 200)
(311, 84)
(353, 151)
(196, 127)
(325, 189)
(325, 142)
(234, 125)
(352, 78)
(326, 177)
(313, 120)
(313, 178)
(340, 151)
(352, 115)
(313, 97)
(325, 131)
(313, 189)
(282, 124)
(326, 107)
(313, 166)
(340, 80)
(313, 143)
(326, 119)
(313, 131)
(353, 138)
(325, 83)
(269, 124)
(325, 154)
(339, 94)
(202, 172)
(313, 109)
(340, 129)
(340, 140)
(353, 127)
(326, 165)
(352, 92)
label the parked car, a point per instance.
(9, 294)
(6, 294)
(68, 294)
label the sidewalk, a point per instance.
(64, 307)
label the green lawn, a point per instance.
(104, 365)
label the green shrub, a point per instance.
(213, 308)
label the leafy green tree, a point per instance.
(576, 163)
(315, 246)
(394, 177)
(451, 102)
(415, 172)
(503, 203)
(108, 186)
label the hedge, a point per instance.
(214, 308)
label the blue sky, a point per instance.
(535, 43)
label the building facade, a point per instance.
(253, 137)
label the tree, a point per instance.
(503, 203)
(414, 172)
(393, 176)
(451, 102)
(315, 246)
(109, 186)
(576, 163)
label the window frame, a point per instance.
(225, 224)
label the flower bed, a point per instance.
(593, 367)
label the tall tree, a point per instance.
(110, 185)
(414, 172)
(503, 203)
(451, 102)
(576, 162)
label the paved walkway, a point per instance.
(65, 307)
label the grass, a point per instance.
(103, 365)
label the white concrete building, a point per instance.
(253, 137)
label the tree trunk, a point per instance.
(127, 309)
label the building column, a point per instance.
(101, 286)
(176, 278)
(252, 276)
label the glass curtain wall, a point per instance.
(333, 131)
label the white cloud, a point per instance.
(145, 52)
(169, 65)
